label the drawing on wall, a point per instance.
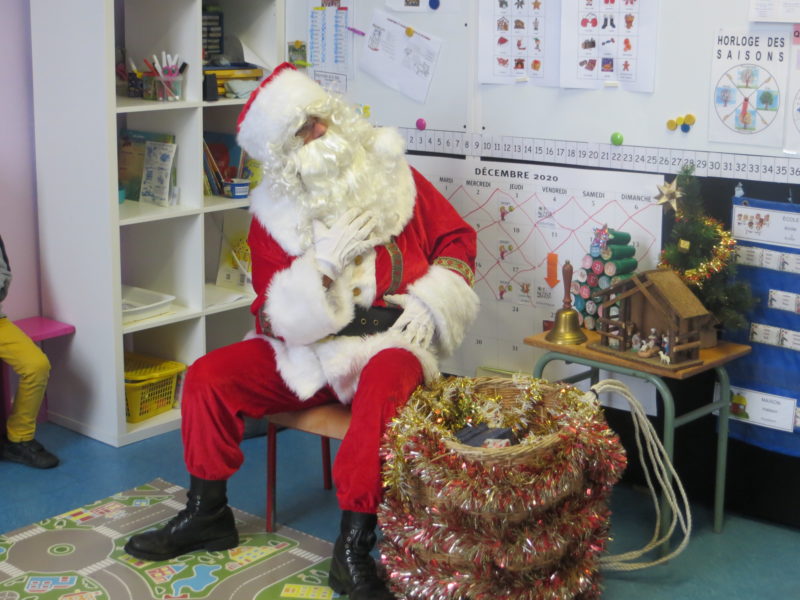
(750, 75)
(399, 56)
(747, 98)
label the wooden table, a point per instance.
(711, 358)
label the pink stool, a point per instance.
(38, 329)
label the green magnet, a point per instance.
(616, 138)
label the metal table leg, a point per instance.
(671, 423)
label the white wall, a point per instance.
(17, 167)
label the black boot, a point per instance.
(353, 570)
(205, 524)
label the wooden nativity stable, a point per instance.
(656, 304)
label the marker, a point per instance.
(151, 67)
(183, 68)
(133, 65)
(302, 63)
(356, 31)
(158, 66)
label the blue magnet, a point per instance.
(434, 4)
(685, 127)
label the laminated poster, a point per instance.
(519, 41)
(605, 43)
(749, 77)
(330, 44)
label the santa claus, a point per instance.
(363, 274)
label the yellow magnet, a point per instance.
(409, 31)
(689, 119)
(679, 120)
(672, 125)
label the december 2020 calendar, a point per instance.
(530, 219)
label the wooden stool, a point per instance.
(38, 329)
(327, 421)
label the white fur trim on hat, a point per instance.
(275, 107)
(387, 141)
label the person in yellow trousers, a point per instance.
(33, 369)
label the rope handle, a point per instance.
(662, 468)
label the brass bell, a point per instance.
(567, 328)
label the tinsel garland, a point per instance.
(720, 256)
(524, 522)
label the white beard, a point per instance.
(336, 172)
(353, 165)
(329, 168)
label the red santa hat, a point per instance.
(276, 109)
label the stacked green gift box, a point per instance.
(611, 259)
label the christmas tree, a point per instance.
(703, 253)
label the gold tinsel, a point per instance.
(721, 255)
(526, 521)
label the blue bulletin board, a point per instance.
(765, 388)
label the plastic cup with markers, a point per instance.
(163, 88)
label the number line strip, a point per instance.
(746, 167)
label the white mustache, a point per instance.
(324, 158)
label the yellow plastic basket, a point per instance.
(149, 385)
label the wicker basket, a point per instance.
(524, 521)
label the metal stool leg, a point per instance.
(272, 447)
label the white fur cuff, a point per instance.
(300, 309)
(452, 302)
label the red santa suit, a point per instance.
(297, 356)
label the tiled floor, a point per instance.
(750, 560)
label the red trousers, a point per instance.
(242, 379)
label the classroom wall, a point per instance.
(18, 224)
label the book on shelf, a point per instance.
(131, 159)
(157, 186)
(212, 171)
(234, 270)
(214, 184)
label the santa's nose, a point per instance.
(313, 128)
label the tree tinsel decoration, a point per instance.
(703, 253)
(526, 521)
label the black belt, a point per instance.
(371, 320)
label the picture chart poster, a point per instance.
(604, 42)
(764, 385)
(519, 41)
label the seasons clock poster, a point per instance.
(749, 76)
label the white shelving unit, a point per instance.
(90, 244)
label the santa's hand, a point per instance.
(416, 322)
(348, 237)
